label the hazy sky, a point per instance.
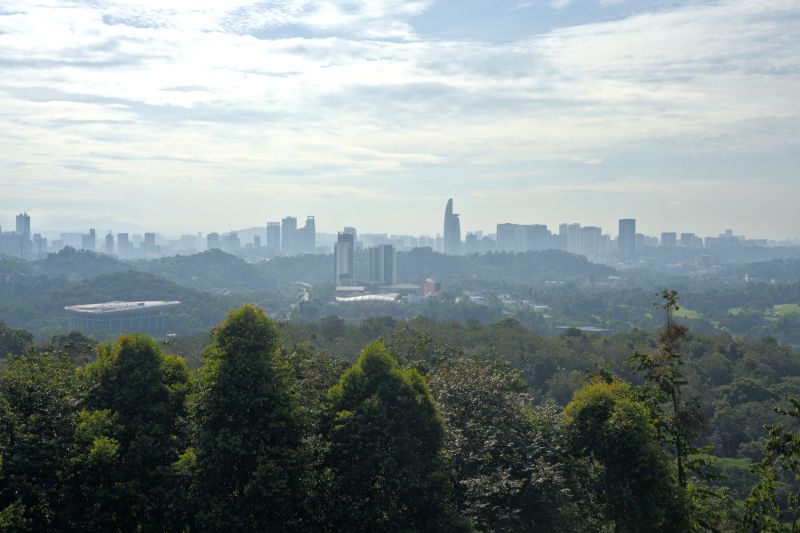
(167, 115)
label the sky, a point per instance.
(186, 116)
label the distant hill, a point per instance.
(76, 264)
(213, 271)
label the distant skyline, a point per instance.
(174, 117)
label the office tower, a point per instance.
(274, 237)
(306, 237)
(669, 239)
(506, 237)
(452, 231)
(590, 241)
(124, 246)
(108, 247)
(471, 244)
(231, 243)
(289, 235)
(24, 226)
(626, 241)
(537, 237)
(149, 244)
(39, 245)
(383, 265)
(574, 238)
(344, 267)
(213, 242)
(89, 241)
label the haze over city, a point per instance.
(175, 117)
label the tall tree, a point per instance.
(249, 430)
(664, 383)
(635, 480)
(129, 438)
(385, 442)
(39, 396)
(774, 504)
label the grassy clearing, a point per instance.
(687, 313)
(786, 309)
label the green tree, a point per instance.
(635, 481)
(249, 458)
(774, 504)
(385, 441)
(39, 396)
(13, 341)
(511, 471)
(665, 381)
(129, 437)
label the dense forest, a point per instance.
(399, 425)
(575, 291)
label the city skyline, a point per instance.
(196, 117)
(278, 229)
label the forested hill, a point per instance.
(214, 271)
(421, 263)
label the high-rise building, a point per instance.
(256, 241)
(213, 242)
(148, 246)
(231, 243)
(383, 265)
(108, 247)
(626, 240)
(452, 231)
(344, 268)
(669, 239)
(574, 238)
(289, 235)
(124, 246)
(507, 238)
(690, 240)
(24, 226)
(274, 237)
(89, 240)
(306, 237)
(590, 241)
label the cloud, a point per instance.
(243, 97)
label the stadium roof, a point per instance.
(121, 307)
(390, 297)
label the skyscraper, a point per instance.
(669, 239)
(452, 231)
(213, 242)
(274, 237)
(124, 246)
(574, 238)
(24, 226)
(306, 237)
(289, 235)
(108, 248)
(626, 241)
(89, 240)
(344, 267)
(383, 265)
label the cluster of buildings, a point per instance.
(287, 238)
(589, 241)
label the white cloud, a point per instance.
(153, 94)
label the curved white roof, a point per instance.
(118, 307)
(390, 297)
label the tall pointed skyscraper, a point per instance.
(452, 231)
